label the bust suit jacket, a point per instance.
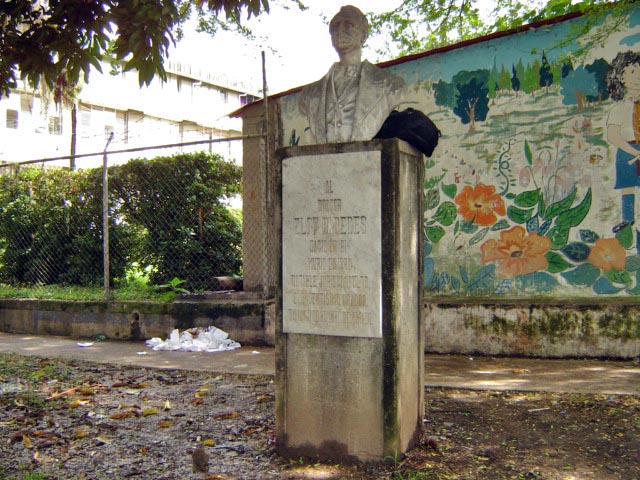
(379, 93)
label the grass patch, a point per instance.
(134, 290)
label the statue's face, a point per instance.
(347, 34)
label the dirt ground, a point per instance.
(80, 420)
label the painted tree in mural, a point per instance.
(515, 81)
(599, 69)
(444, 94)
(467, 95)
(577, 86)
(531, 79)
(546, 75)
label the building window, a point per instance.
(85, 118)
(26, 102)
(12, 119)
(224, 96)
(55, 126)
(247, 98)
(108, 131)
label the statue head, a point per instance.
(349, 29)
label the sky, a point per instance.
(297, 45)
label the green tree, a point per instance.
(41, 40)
(189, 232)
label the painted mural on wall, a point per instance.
(532, 189)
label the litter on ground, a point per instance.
(200, 339)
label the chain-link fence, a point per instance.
(172, 221)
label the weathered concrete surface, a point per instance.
(347, 394)
(558, 329)
(449, 371)
(247, 319)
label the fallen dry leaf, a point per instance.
(226, 415)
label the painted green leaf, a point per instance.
(468, 227)
(463, 274)
(557, 208)
(431, 198)
(446, 213)
(435, 234)
(479, 236)
(500, 225)
(518, 215)
(536, 282)
(542, 206)
(544, 227)
(619, 276)
(455, 283)
(585, 274)
(635, 290)
(533, 224)
(527, 199)
(527, 153)
(510, 196)
(504, 286)
(433, 181)
(450, 190)
(574, 216)
(589, 236)
(483, 280)
(559, 237)
(633, 263)
(625, 236)
(556, 263)
(456, 228)
(604, 287)
(576, 251)
(429, 268)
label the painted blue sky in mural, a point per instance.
(526, 46)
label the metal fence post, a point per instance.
(105, 218)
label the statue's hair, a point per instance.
(615, 86)
(356, 13)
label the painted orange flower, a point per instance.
(516, 252)
(480, 204)
(607, 253)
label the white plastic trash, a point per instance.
(209, 339)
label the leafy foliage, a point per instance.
(51, 229)
(203, 239)
(44, 40)
(51, 222)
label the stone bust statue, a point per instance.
(352, 101)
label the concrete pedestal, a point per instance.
(349, 342)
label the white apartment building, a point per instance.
(191, 105)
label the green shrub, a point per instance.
(167, 216)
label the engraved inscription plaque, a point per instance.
(331, 244)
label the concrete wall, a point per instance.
(246, 320)
(543, 329)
